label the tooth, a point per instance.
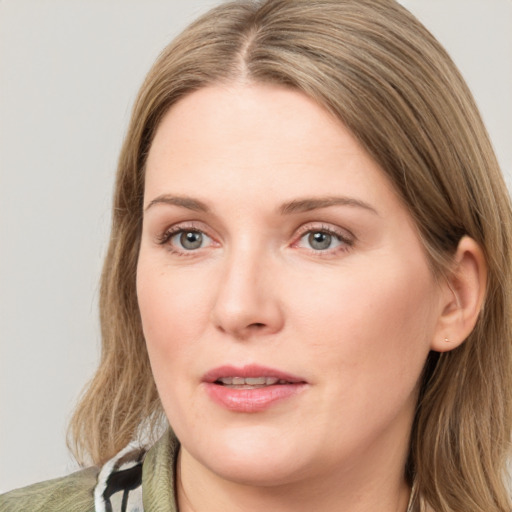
(255, 381)
(250, 381)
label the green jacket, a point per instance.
(87, 490)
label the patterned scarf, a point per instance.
(119, 487)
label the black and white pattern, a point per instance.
(119, 487)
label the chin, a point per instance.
(257, 473)
(255, 456)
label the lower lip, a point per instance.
(251, 400)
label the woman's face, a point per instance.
(286, 300)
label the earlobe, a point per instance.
(463, 296)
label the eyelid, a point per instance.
(168, 233)
(165, 235)
(342, 233)
(347, 238)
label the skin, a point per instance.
(355, 321)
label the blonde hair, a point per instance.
(378, 70)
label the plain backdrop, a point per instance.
(69, 72)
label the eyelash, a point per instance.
(346, 240)
(167, 235)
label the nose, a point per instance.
(247, 300)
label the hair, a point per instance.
(381, 73)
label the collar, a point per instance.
(135, 479)
(158, 475)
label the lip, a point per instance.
(251, 400)
(252, 370)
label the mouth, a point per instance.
(250, 382)
(250, 376)
(252, 388)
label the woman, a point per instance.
(308, 222)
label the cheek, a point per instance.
(371, 326)
(174, 308)
(171, 312)
(170, 301)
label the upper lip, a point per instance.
(249, 371)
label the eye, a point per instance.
(187, 240)
(322, 240)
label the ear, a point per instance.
(462, 296)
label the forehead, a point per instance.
(271, 140)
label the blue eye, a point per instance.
(189, 240)
(321, 240)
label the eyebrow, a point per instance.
(309, 204)
(291, 207)
(185, 202)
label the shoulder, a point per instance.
(116, 486)
(72, 493)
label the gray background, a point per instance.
(69, 72)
